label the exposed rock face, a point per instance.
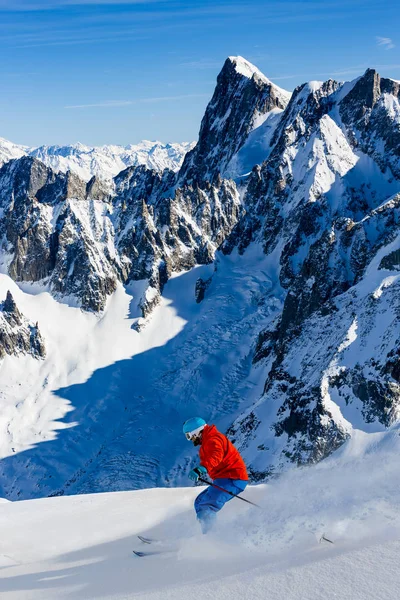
(242, 97)
(202, 286)
(370, 111)
(80, 239)
(57, 231)
(17, 335)
(160, 229)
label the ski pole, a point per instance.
(227, 492)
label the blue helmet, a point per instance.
(193, 426)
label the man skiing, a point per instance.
(222, 461)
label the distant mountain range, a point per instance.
(101, 161)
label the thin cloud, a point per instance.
(283, 77)
(77, 42)
(119, 103)
(386, 42)
(168, 98)
(107, 104)
(29, 6)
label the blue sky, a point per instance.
(118, 71)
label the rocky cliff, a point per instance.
(17, 335)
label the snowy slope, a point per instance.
(81, 546)
(257, 147)
(102, 161)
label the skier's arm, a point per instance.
(214, 454)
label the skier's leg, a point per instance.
(199, 500)
(205, 514)
(211, 500)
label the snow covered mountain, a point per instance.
(328, 193)
(102, 161)
(266, 271)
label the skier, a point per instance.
(222, 461)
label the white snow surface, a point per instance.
(81, 546)
(256, 148)
(246, 68)
(392, 106)
(103, 161)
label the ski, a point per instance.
(162, 550)
(146, 540)
(141, 554)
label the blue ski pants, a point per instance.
(211, 500)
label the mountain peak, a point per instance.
(246, 68)
(9, 303)
(241, 99)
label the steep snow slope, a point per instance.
(256, 148)
(101, 161)
(81, 546)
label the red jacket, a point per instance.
(220, 457)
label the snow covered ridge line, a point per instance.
(246, 68)
(101, 161)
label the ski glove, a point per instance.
(199, 471)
